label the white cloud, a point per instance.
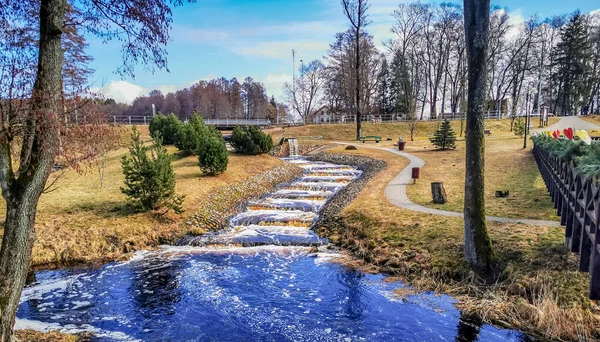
(126, 92)
(274, 84)
(120, 91)
(516, 21)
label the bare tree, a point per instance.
(478, 247)
(304, 96)
(356, 12)
(39, 29)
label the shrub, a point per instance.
(519, 126)
(149, 176)
(193, 133)
(166, 127)
(251, 140)
(444, 137)
(212, 156)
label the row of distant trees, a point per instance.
(423, 69)
(215, 99)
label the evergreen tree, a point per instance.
(444, 138)
(149, 176)
(193, 133)
(400, 87)
(383, 92)
(571, 63)
(165, 127)
(212, 156)
(250, 140)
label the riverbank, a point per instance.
(539, 290)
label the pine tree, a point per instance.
(444, 138)
(149, 176)
(571, 65)
(212, 156)
(383, 92)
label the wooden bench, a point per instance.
(487, 132)
(374, 138)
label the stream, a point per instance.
(259, 280)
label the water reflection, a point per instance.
(155, 288)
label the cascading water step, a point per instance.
(295, 194)
(330, 179)
(257, 235)
(287, 204)
(283, 218)
(266, 217)
(330, 186)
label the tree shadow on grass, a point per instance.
(105, 209)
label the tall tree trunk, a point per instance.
(358, 114)
(478, 247)
(40, 140)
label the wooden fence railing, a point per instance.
(577, 201)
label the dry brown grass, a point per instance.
(347, 132)
(507, 167)
(82, 222)
(538, 290)
(592, 118)
(36, 336)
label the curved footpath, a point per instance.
(395, 192)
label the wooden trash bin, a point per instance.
(415, 173)
(401, 145)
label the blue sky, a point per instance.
(239, 38)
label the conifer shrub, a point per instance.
(193, 133)
(212, 156)
(149, 176)
(250, 141)
(519, 126)
(444, 138)
(165, 127)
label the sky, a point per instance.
(241, 38)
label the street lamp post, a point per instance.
(532, 91)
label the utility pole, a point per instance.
(293, 70)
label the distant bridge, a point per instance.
(219, 123)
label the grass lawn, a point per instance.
(595, 119)
(507, 167)
(347, 132)
(83, 222)
(539, 289)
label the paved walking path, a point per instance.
(395, 192)
(573, 122)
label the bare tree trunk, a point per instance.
(478, 247)
(37, 158)
(358, 115)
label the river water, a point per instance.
(259, 280)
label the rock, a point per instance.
(330, 213)
(350, 147)
(502, 193)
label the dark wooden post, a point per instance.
(438, 193)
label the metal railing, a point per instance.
(237, 122)
(145, 120)
(303, 139)
(337, 118)
(577, 201)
